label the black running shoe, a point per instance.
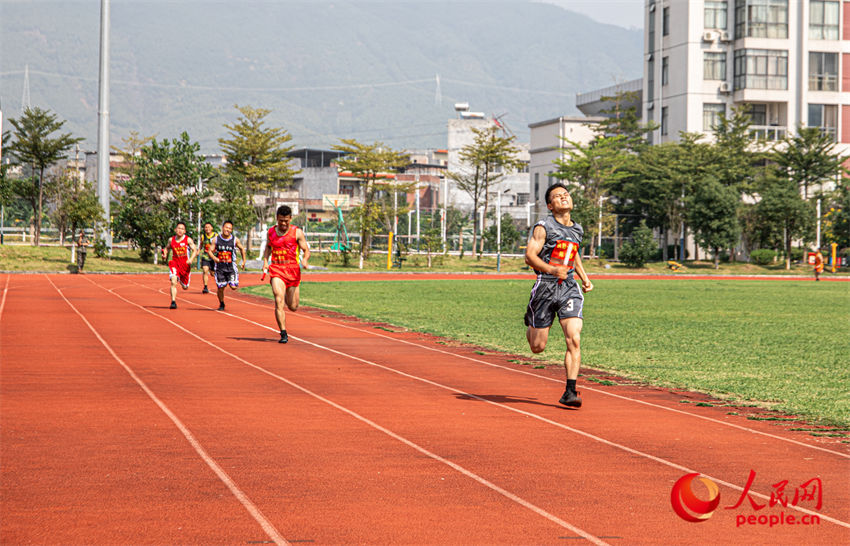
(284, 338)
(221, 306)
(173, 305)
(205, 290)
(571, 399)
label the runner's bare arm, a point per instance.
(241, 248)
(535, 245)
(194, 251)
(166, 251)
(305, 248)
(586, 285)
(266, 253)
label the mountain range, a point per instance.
(370, 70)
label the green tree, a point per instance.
(233, 202)
(808, 158)
(456, 222)
(59, 190)
(259, 155)
(836, 225)
(34, 146)
(589, 171)
(371, 164)
(712, 213)
(658, 179)
(783, 213)
(636, 253)
(162, 191)
(486, 160)
(82, 209)
(622, 119)
(511, 236)
(736, 159)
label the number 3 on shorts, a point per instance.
(569, 305)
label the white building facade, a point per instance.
(550, 140)
(788, 61)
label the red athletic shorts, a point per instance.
(179, 269)
(290, 274)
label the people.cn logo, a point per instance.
(687, 505)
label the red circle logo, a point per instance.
(687, 505)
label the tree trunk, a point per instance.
(474, 225)
(460, 242)
(664, 254)
(787, 253)
(37, 238)
(716, 258)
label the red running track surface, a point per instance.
(126, 422)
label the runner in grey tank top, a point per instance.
(553, 251)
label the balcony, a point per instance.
(767, 132)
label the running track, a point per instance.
(124, 422)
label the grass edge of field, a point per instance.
(721, 398)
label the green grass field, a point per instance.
(780, 345)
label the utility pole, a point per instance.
(417, 210)
(498, 231)
(103, 186)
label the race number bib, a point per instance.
(279, 256)
(564, 253)
(225, 257)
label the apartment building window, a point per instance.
(824, 116)
(758, 114)
(761, 18)
(715, 15)
(665, 21)
(714, 66)
(711, 115)
(650, 80)
(823, 71)
(823, 20)
(651, 31)
(521, 199)
(664, 120)
(761, 69)
(665, 70)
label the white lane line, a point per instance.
(522, 502)
(515, 410)
(270, 530)
(3, 302)
(584, 387)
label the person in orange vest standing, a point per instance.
(818, 264)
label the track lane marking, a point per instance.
(511, 496)
(585, 387)
(497, 404)
(252, 509)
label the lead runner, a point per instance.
(282, 245)
(552, 252)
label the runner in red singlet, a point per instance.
(282, 246)
(178, 266)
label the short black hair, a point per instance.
(284, 210)
(208, 224)
(180, 224)
(227, 222)
(552, 187)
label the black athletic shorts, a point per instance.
(548, 298)
(225, 275)
(208, 263)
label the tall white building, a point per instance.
(787, 60)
